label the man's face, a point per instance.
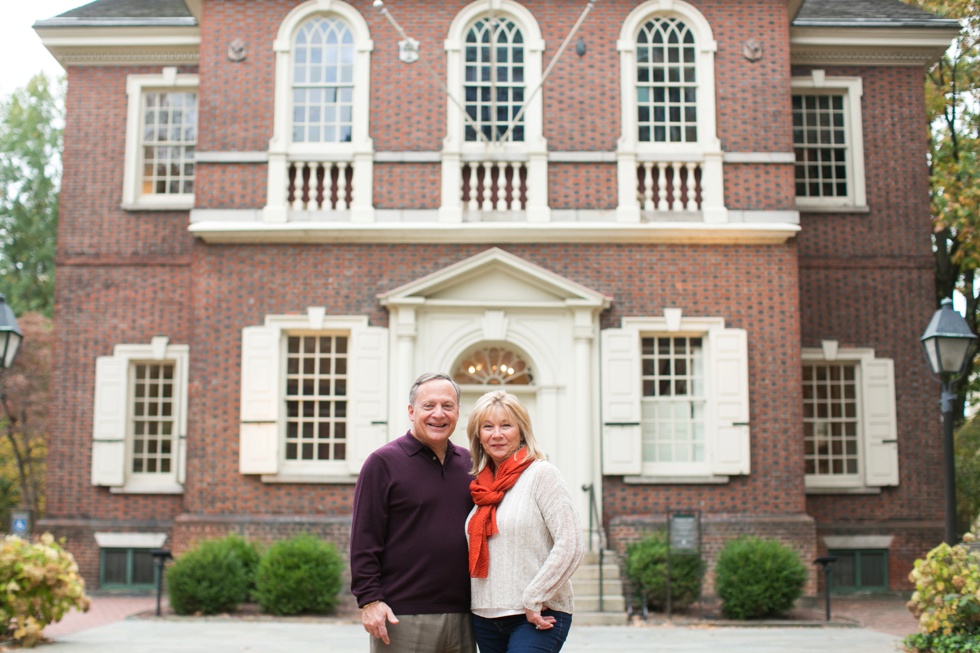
(434, 414)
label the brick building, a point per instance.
(697, 246)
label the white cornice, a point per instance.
(868, 46)
(228, 232)
(73, 46)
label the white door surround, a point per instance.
(496, 297)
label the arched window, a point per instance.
(494, 80)
(669, 157)
(323, 81)
(493, 365)
(321, 156)
(492, 161)
(666, 82)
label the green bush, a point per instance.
(758, 578)
(946, 600)
(646, 567)
(300, 575)
(39, 584)
(248, 553)
(208, 579)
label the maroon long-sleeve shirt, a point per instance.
(407, 545)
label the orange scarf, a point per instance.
(488, 491)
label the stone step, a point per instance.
(592, 558)
(590, 586)
(585, 618)
(589, 572)
(610, 603)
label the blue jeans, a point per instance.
(515, 634)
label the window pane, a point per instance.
(830, 426)
(153, 417)
(823, 144)
(143, 567)
(114, 562)
(488, 68)
(316, 366)
(169, 134)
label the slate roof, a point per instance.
(866, 13)
(124, 12)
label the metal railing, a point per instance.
(596, 532)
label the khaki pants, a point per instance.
(428, 633)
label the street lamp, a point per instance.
(948, 340)
(10, 335)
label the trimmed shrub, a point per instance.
(208, 579)
(248, 552)
(300, 575)
(758, 578)
(646, 567)
(39, 584)
(946, 600)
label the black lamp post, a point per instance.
(10, 335)
(948, 341)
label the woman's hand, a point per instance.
(540, 622)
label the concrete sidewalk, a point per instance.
(235, 635)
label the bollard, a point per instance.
(825, 562)
(160, 557)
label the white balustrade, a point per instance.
(669, 186)
(319, 185)
(493, 186)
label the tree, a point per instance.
(953, 104)
(26, 399)
(31, 122)
(967, 455)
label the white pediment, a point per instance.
(495, 278)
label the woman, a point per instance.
(524, 534)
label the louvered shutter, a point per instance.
(728, 367)
(622, 446)
(261, 398)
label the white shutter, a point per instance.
(261, 397)
(367, 418)
(181, 391)
(109, 422)
(728, 369)
(622, 446)
(880, 423)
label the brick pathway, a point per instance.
(104, 610)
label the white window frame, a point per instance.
(456, 149)
(726, 414)
(263, 414)
(877, 421)
(706, 150)
(136, 87)
(851, 88)
(112, 439)
(359, 151)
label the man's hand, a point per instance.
(375, 617)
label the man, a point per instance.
(408, 551)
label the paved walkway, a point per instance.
(128, 625)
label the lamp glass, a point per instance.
(946, 354)
(9, 343)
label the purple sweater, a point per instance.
(407, 543)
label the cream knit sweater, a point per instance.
(539, 546)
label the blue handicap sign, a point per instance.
(20, 525)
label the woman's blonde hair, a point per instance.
(499, 400)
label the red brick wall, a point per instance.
(863, 279)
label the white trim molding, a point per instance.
(130, 540)
(868, 46)
(77, 45)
